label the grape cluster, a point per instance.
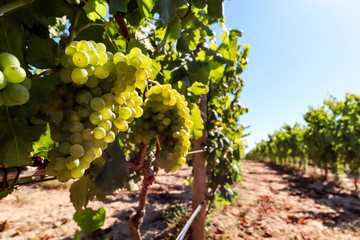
(14, 85)
(89, 109)
(167, 117)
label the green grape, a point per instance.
(65, 75)
(7, 59)
(49, 169)
(130, 103)
(101, 47)
(119, 57)
(135, 52)
(97, 104)
(140, 84)
(14, 74)
(70, 50)
(141, 74)
(110, 137)
(94, 45)
(79, 75)
(99, 161)
(87, 145)
(72, 162)
(94, 58)
(15, 94)
(78, 171)
(106, 113)
(92, 82)
(109, 99)
(88, 156)
(2, 80)
(76, 127)
(139, 112)
(87, 134)
(121, 67)
(81, 59)
(121, 100)
(97, 151)
(26, 83)
(83, 97)
(101, 71)
(121, 124)
(95, 118)
(90, 70)
(103, 57)
(63, 175)
(77, 150)
(53, 154)
(85, 164)
(100, 143)
(76, 138)
(146, 63)
(105, 124)
(166, 121)
(84, 111)
(59, 164)
(83, 46)
(125, 113)
(99, 133)
(96, 92)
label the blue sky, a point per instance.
(300, 52)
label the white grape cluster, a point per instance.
(167, 117)
(88, 110)
(14, 85)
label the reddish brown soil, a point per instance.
(272, 203)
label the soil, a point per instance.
(272, 203)
(276, 203)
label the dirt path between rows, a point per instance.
(275, 203)
(272, 203)
(44, 211)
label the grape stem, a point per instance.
(73, 26)
(139, 164)
(43, 74)
(153, 82)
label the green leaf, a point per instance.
(166, 10)
(199, 3)
(118, 5)
(43, 145)
(79, 192)
(198, 126)
(12, 39)
(145, 7)
(199, 89)
(216, 8)
(173, 30)
(99, 8)
(90, 220)
(41, 53)
(113, 174)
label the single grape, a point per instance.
(79, 75)
(78, 171)
(101, 47)
(72, 162)
(99, 133)
(2, 80)
(7, 59)
(101, 71)
(14, 74)
(97, 104)
(95, 118)
(83, 46)
(70, 50)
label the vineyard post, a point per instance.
(199, 184)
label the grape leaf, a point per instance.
(145, 7)
(90, 220)
(12, 38)
(198, 126)
(43, 145)
(79, 192)
(173, 30)
(99, 9)
(113, 174)
(166, 10)
(199, 89)
(216, 8)
(41, 53)
(118, 5)
(199, 3)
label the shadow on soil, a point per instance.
(346, 205)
